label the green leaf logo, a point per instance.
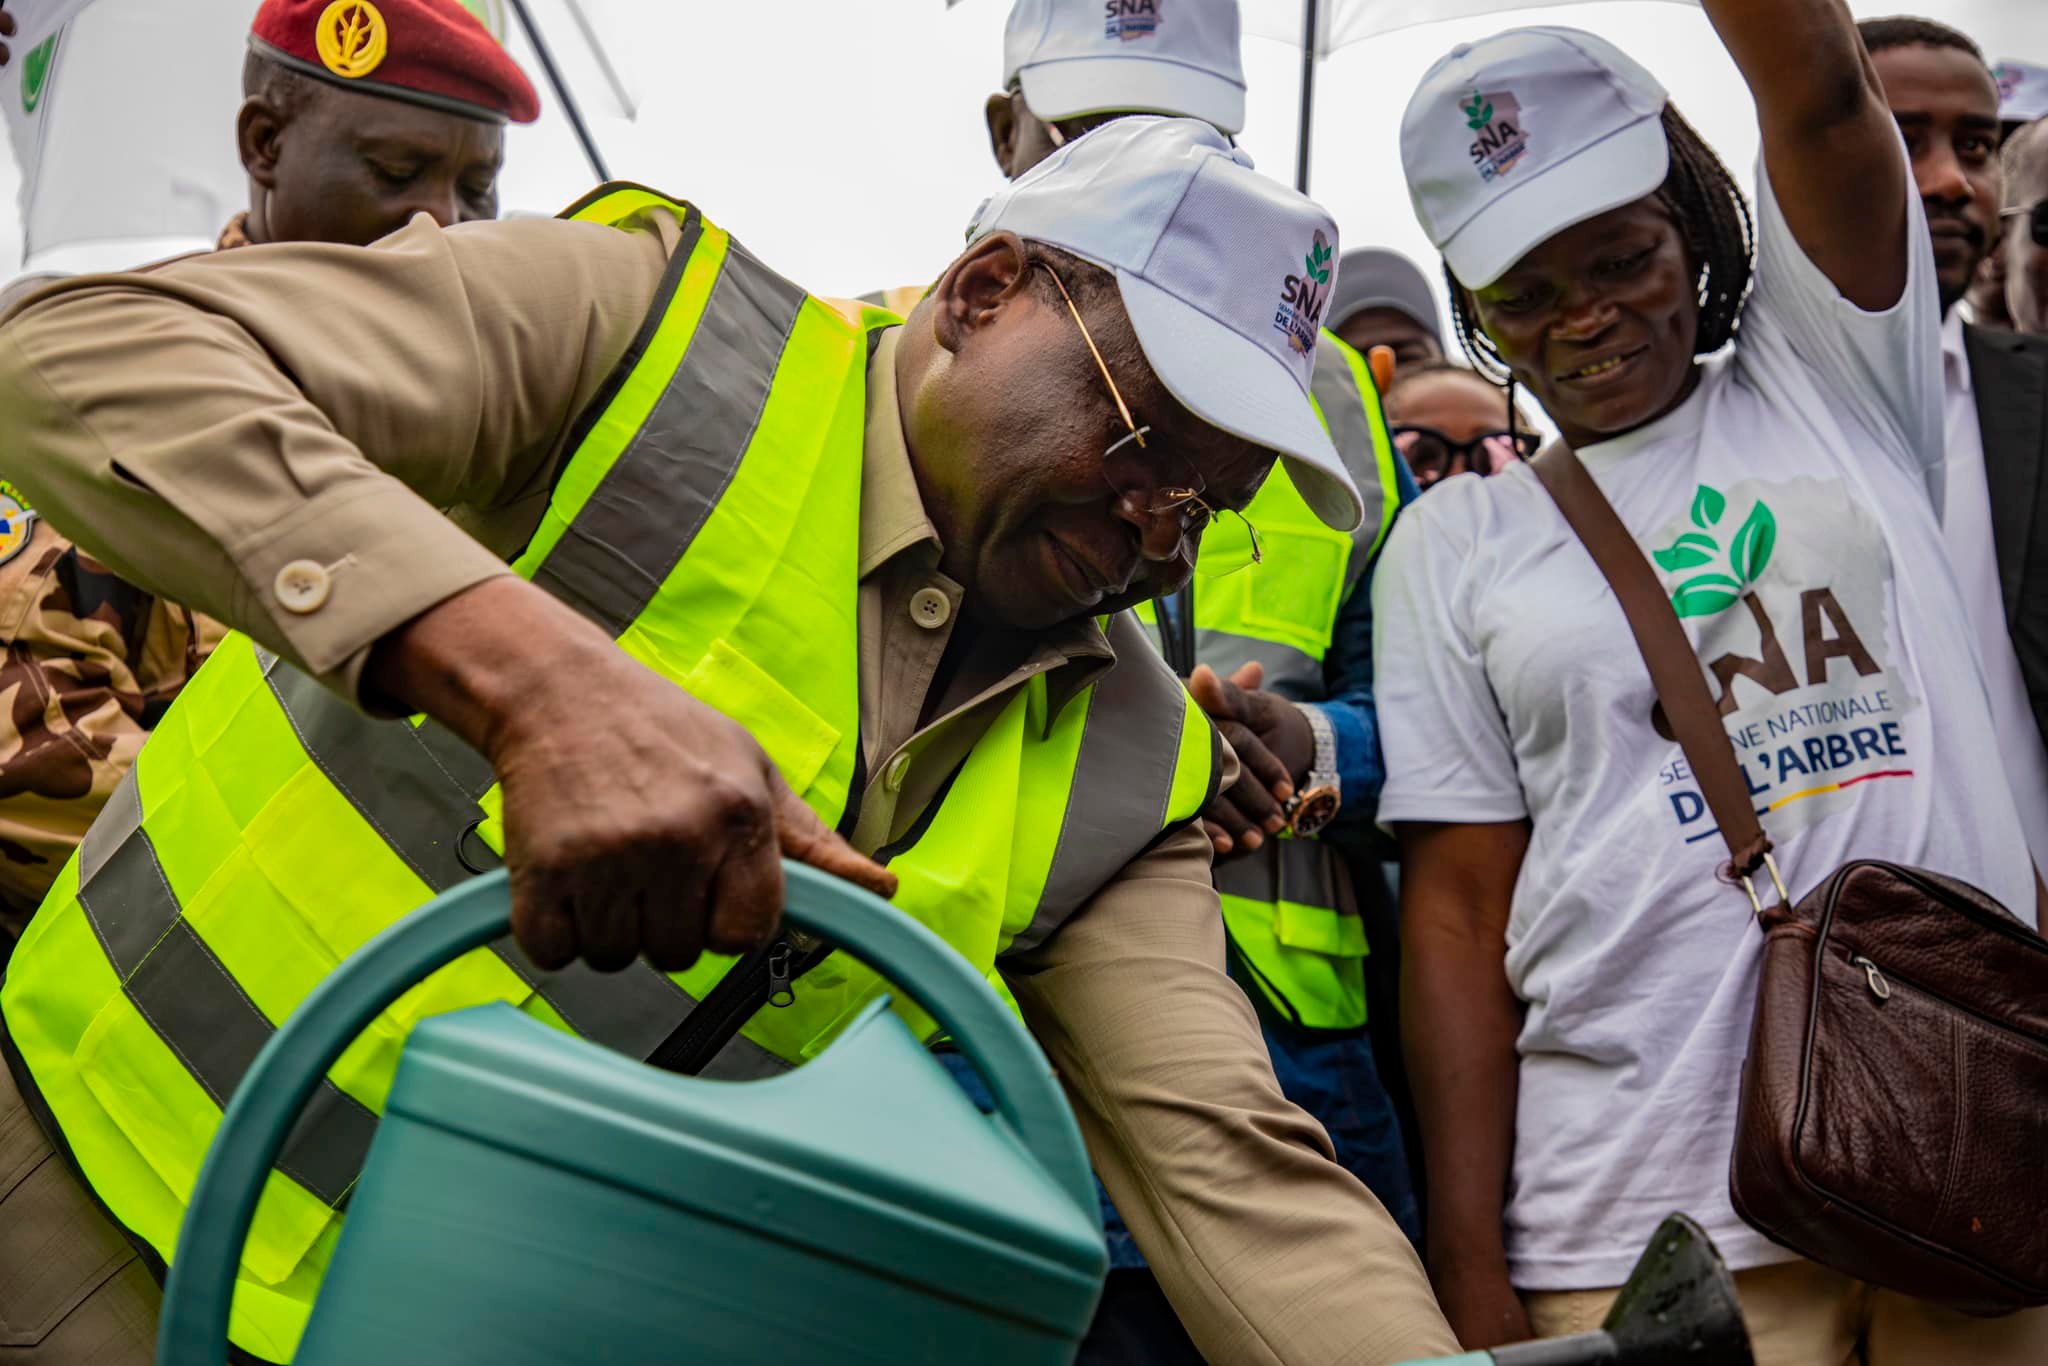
(1751, 552)
(1720, 583)
(1478, 111)
(1707, 507)
(1318, 260)
(1706, 594)
(1690, 551)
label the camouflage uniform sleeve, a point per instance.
(90, 664)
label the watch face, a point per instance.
(1314, 809)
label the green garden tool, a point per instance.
(533, 1198)
(1679, 1306)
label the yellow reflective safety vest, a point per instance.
(708, 516)
(1284, 903)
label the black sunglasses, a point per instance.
(1432, 456)
(2037, 221)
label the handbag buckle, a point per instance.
(1784, 898)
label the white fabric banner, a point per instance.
(34, 22)
(121, 113)
(122, 124)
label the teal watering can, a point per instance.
(533, 1198)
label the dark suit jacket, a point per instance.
(2010, 375)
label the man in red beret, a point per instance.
(358, 117)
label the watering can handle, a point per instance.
(266, 1104)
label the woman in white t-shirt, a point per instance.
(1578, 984)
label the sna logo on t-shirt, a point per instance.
(1794, 628)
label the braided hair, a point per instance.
(1713, 217)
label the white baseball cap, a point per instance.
(2022, 92)
(1177, 57)
(1224, 273)
(1510, 140)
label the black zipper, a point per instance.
(767, 976)
(764, 977)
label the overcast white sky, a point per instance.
(842, 140)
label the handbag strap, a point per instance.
(1674, 668)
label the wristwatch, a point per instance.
(1316, 804)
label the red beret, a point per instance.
(431, 52)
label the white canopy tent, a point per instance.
(122, 119)
(842, 139)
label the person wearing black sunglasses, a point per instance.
(1446, 420)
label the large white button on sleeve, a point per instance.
(303, 586)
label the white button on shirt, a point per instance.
(930, 608)
(1966, 530)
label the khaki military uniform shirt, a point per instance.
(272, 435)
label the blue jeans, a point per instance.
(1335, 1080)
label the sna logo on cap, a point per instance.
(2008, 78)
(1498, 142)
(1128, 19)
(352, 39)
(1302, 297)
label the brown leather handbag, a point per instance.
(1894, 1115)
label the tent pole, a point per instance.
(604, 59)
(1308, 92)
(562, 91)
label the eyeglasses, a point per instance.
(1433, 456)
(1156, 482)
(2037, 221)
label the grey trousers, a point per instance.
(72, 1290)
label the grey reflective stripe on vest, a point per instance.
(1300, 871)
(1123, 778)
(1336, 390)
(192, 1001)
(408, 795)
(650, 505)
(1294, 674)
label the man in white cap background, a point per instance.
(1074, 408)
(1579, 982)
(1385, 299)
(1302, 719)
